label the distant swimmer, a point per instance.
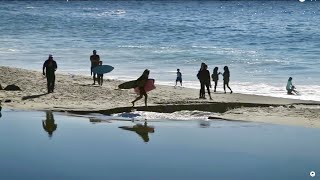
(140, 83)
(215, 78)
(290, 88)
(95, 59)
(179, 78)
(204, 76)
(50, 66)
(226, 79)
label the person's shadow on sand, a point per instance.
(48, 125)
(33, 96)
(142, 130)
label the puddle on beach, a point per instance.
(45, 145)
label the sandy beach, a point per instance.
(75, 93)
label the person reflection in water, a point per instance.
(48, 125)
(142, 130)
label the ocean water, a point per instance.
(262, 42)
(84, 148)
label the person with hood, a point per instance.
(49, 68)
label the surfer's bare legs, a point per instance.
(94, 78)
(142, 93)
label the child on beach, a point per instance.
(290, 88)
(215, 77)
(226, 78)
(140, 83)
(179, 78)
(100, 76)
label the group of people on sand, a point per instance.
(50, 66)
(205, 80)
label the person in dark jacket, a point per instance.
(205, 80)
(140, 83)
(50, 66)
(226, 78)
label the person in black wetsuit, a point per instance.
(48, 125)
(215, 77)
(226, 78)
(50, 66)
(140, 83)
(205, 80)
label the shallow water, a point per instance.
(81, 148)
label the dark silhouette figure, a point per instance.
(140, 83)
(95, 59)
(100, 76)
(50, 66)
(48, 125)
(142, 130)
(202, 91)
(226, 78)
(290, 88)
(179, 78)
(215, 78)
(204, 76)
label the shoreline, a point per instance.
(77, 95)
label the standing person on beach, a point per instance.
(50, 66)
(290, 88)
(95, 59)
(205, 80)
(179, 78)
(100, 76)
(140, 83)
(215, 78)
(202, 91)
(226, 78)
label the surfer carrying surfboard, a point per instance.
(95, 59)
(140, 83)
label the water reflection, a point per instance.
(142, 130)
(48, 125)
(0, 109)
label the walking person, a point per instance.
(215, 78)
(50, 66)
(95, 59)
(179, 78)
(140, 83)
(226, 79)
(205, 80)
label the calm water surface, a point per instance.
(83, 148)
